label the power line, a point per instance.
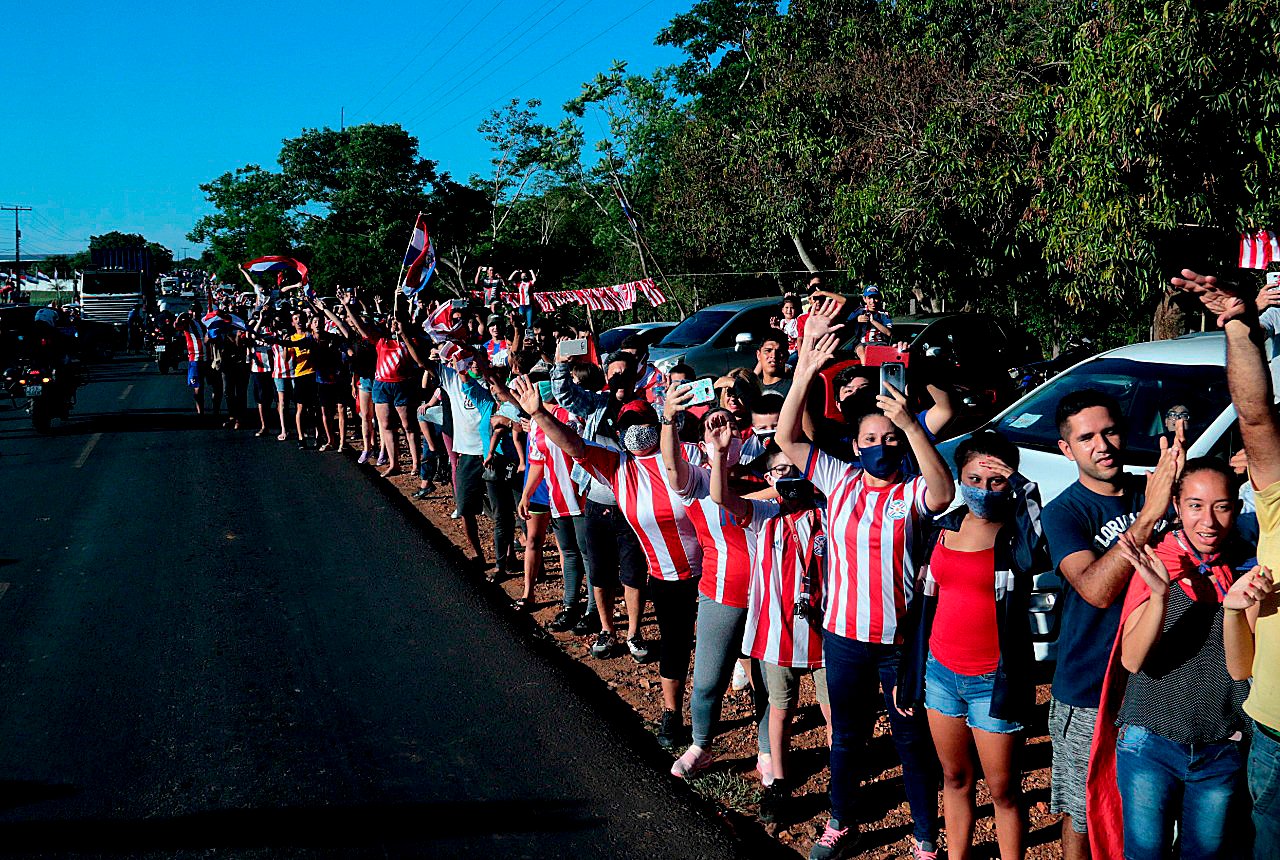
(440, 58)
(433, 103)
(426, 44)
(520, 86)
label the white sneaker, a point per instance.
(740, 678)
(455, 515)
(693, 762)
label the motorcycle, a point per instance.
(50, 391)
(164, 344)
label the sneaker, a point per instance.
(835, 841)
(694, 761)
(564, 619)
(670, 727)
(923, 850)
(382, 457)
(639, 648)
(741, 680)
(588, 624)
(421, 493)
(363, 458)
(604, 646)
(772, 800)
(457, 514)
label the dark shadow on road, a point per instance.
(318, 828)
(127, 421)
(15, 793)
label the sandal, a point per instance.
(522, 604)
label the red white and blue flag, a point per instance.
(1259, 249)
(217, 322)
(278, 264)
(420, 258)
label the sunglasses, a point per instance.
(1178, 416)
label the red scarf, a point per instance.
(1203, 578)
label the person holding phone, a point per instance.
(875, 517)
(871, 325)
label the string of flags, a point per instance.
(1259, 249)
(619, 297)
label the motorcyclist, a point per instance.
(137, 318)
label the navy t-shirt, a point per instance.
(1080, 519)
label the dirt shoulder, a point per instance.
(733, 783)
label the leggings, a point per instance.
(571, 537)
(719, 642)
(675, 603)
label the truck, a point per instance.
(120, 279)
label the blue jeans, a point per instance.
(571, 535)
(1198, 787)
(1264, 786)
(854, 670)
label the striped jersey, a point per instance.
(565, 497)
(197, 347)
(651, 506)
(727, 549)
(523, 290)
(786, 544)
(393, 356)
(872, 534)
(260, 357)
(281, 362)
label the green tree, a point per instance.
(255, 216)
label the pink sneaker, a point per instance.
(382, 457)
(764, 766)
(693, 762)
(923, 850)
(364, 457)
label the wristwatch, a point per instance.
(663, 419)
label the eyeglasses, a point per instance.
(1178, 416)
(780, 471)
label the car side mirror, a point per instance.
(933, 351)
(741, 341)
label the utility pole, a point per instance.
(17, 234)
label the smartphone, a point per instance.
(703, 391)
(573, 347)
(1273, 280)
(894, 374)
(877, 355)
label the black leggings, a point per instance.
(675, 603)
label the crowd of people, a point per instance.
(797, 515)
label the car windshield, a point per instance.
(613, 338)
(1147, 392)
(697, 329)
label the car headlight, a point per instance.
(1043, 601)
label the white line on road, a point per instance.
(88, 449)
(4, 586)
(128, 389)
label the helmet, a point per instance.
(48, 316)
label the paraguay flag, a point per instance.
(278, 264)
(420, 258)
(218, 322)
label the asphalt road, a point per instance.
(213, 643)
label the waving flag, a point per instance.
(420, 258)
(1259, 249)
(280, 265)
(218, 322)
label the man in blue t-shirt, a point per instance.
(1082, 526)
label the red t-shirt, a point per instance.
(964, 637)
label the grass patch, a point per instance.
(728, 789)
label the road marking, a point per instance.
(128, 389)
(4, 586)
(88, 449)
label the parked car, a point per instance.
(652, 332)
(1147, 379)
(718, 338)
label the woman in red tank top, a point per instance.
(968, 656)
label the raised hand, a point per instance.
(1146, 563)
(1168, 469)
(526, 394)
(718, 432)
(995, 464)
(814, 354)
(679, 398)
(821, 319)
(1249, 590)
(1225, 301)
(895, 408)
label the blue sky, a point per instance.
(117, 116)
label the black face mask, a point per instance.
(797, 492)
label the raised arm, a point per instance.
(354, 319)
(718, 435)
(564, 437)
(1143, 626)
(672, 453)
(816, 349)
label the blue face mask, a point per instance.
(881, 461)
(986, 504)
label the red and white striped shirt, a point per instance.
(872, 534)
(727, 549)
(392, 358)
(522, 292)
(565, 499)
(281, 362)
(656, 514)
(195, 346)
(785, 543)
(260, 358)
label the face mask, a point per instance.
(986, 504)
(881, 461)
(765, 436)
(732, 457)
(640, 438)
(796, 491)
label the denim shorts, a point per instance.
(967, 696)
(391, 393)
(366, 383)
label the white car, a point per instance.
(1147, 379)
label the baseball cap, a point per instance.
(636, 412)
(871, 291)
